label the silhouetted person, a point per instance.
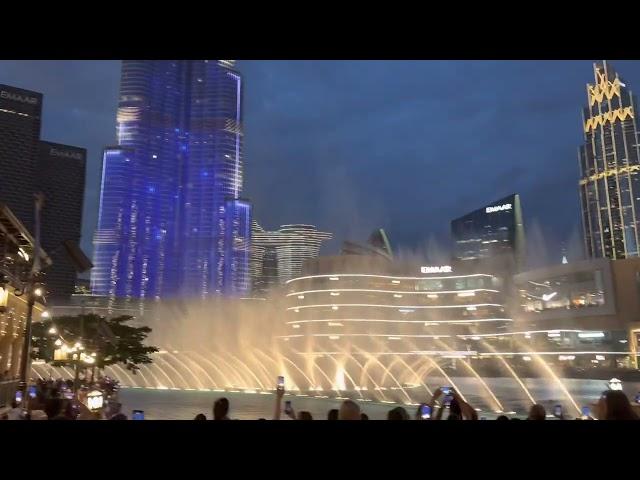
(614, 405)
(537, 412)
(333, 414)
(304, 416)
(502, 417)
(349, 410)
(364, 416)
(200, 416)
(221, 409)
(397, 413)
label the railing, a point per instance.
(8, 392)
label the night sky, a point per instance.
(354, 145)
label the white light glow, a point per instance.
(53, 331)
(334, 278)
(466, 294)
(600, 357)
(38, 292)
(46, 314)
(335, 294)
(397, 295)
(427, 307)
(591, 335)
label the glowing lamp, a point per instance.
(95, 400)
(4, 298)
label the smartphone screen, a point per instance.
(557, 411)
(280, 383)
(19, 396)
(446, 390)
(447, 400)
(32, 391)
(425, 412)
(586, 412)
(137, 415)
(638, 398)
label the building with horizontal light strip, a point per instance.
(277, 256)
(368, 303)
(610, 167)
(369, 306)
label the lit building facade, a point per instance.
(610, 168)
(368, 304)
(166, 185)
(589, 308)
(491, 237)
(277, 256)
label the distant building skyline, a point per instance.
(165, 187)
(610, 167)
(278, 256)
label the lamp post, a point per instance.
(32, 289)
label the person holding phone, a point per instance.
(459, 409)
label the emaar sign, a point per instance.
(441, 269)
(18, 98)
(498, 208)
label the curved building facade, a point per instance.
(364, 305)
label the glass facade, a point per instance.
(577, 290)
(495, 230)
(610, 165)
(161, 226)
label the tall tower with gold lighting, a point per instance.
(610, 168)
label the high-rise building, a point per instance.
(610, 167)
(492, 236)
(167, 184)
(277, 256)
(20, 113)
(61, 173)
(28, 166)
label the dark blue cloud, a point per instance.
(353, 145)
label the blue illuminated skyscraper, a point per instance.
(162, 226)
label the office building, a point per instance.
(491, 237)
(610, 167)
(29, 166)
(166, 185)
(277, 256)
(61, 174)
(20, 119)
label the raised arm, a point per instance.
(279, 395)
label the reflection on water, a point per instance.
(185, 405)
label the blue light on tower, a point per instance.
(166, 227)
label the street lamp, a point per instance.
(45, 314)
(38, 291)
(53, 331)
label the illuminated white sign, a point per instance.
(441, 269)
(498, 208)
(65, 153)
(95, 400)
(18, 98)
